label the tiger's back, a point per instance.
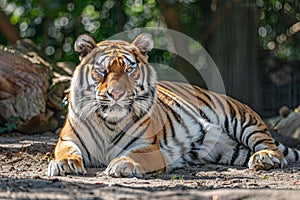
(121, 117)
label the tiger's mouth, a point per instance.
(115, 108)
(113, 112)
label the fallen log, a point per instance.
(31, 89)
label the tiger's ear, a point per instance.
(84, 44)
(144, 43)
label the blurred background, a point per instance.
(254, 43)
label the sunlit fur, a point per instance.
(119, 111)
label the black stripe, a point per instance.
(218, 158)
(175, 89)
(205, 103)
(144, 74)
(203, 134)
(247, 158)
(81, 73)
(171, 124)
(135, 138)
(220, 103)
(235, 154)
(92, 132)
(148, 74)
(81, 142)
(234, 128)
(233, 120)
(285, 151)
(194, 151)
(167, 108)
(177, 116)
(110, 125)
(252, 133)
(231, 109)
(262, 141)
(173, 132)
(209, 104)
(91, 129)
(296, 155)
(130, 61)
(125, 52)
(166, 95)
(243, 131)
(120, 135)
(172, 88)
(155, 139)
(226, 125)
(206, 94)
(165, 135)
(163, 128)
(142, 88)
(203, 115)
(241, 121)
(241, 113)
(185, 111)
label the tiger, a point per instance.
(122, 118)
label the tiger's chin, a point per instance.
(113, 114)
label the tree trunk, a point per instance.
(233, 46)
(10, 32)
(172, 20)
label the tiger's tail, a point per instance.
(291, 154)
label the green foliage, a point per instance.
(279, 26)
(49, 156)
(265, 177)
(54, 24)
(175, 177)
(10, 125)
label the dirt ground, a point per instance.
(23, 169)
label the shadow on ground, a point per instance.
(23, 169)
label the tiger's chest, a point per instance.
(167, 126)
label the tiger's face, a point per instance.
(123, 83)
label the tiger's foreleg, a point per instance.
(67, 156)
(137, 163)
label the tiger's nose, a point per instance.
(115, 94)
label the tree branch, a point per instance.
(10, 32)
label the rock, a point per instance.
(290, 125)
(284, 111)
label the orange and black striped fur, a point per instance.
(121, 117)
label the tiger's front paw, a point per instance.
(266, 159)
(71, 164)
(124, 167)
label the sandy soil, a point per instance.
(24, 161)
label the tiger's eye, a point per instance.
(100, 69)
(129, 69)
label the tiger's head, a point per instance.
(114, 78)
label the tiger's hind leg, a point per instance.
(267, 159)
(266, 153)
(255, 148)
